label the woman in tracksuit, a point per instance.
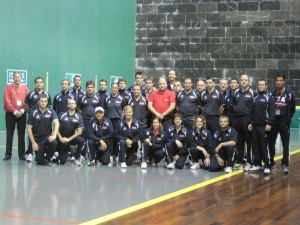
(128, 134)
(200, 143)
(155, 140)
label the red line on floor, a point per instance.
(37, 219)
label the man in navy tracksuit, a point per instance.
(77, 90)
(60, 101)
(188, 103)
(99, 134)
(177, 146)
(212, 101)
(284, 111)
(225, 139)
(103, 93)
(262, 119)
(243, 102)
(229, 100)
(122, 90)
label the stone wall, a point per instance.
(220, 38)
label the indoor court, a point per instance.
(69, 194)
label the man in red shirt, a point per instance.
(14, 98)
(162, 103)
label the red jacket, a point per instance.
(12, 94)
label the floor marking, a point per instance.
(37, 219)
(168, 196)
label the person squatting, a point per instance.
(207, 127)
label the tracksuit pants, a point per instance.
(153, 153)
(173, 150)
(260, 146)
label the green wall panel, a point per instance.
(90, 37)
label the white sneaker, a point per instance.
(247, 167)
(77, 163)
(237, 166)
(195, 166)
(111, 162)
(123, 165)
(267, 171)
(91, 163)
(143, 165)
(171, 165)
(254, 169)
(228, 169)
(28, 158)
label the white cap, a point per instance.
(99, 109)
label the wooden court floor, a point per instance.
(244, 198)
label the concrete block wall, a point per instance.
(220, 38)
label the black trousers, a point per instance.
(63, 148)
(244, 152)
(10, 122)
(173, 150)
(282, 127)
(44, 153)
(260, 146)
(149, 151)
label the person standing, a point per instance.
(60, 101)
(40, 133)
(14, 106)
(162, 103)
(171, 79)
(212, 102)
(229, 101)
(284, 110)
(103, 93)
(262, 119)
(77, 90)
(243, 101)
(139, 80)
(122, 90)
(188, 102)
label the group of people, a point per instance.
(209, 127)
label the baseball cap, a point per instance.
(99, 109)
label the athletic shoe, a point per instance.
(237, 166)
(155, 164)
(247, 167)
(285, 169)
(171, 165)
(91, 163)
(195, 166)
(255, 169)
(111, 162)
(267, 171)
(123, 165)
(143, 165)
(273, 168)
(228, 169)
(77, 163)
(28, 158)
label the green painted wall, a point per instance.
(90, 37)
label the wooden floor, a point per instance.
(241, 199)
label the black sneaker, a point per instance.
(285, 169)
(7, 157)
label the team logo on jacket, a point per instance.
(104, 127)
(158, 138)
(46, 116)
(66, 119)
(248, 96)
(119, 102)
(263, 100)
(133, 127)
(75, 120)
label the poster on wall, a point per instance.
(70, 76)
(10, 76)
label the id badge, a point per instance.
(277, 112)
(19, 103)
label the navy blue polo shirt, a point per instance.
(100, 130)
(188, 103)
(68, 124)
(211, 103)
(114, 107)
(243, 101)
(139, 109)
(60, 102)
(41, 122)
(32, 99)
(87, 105)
